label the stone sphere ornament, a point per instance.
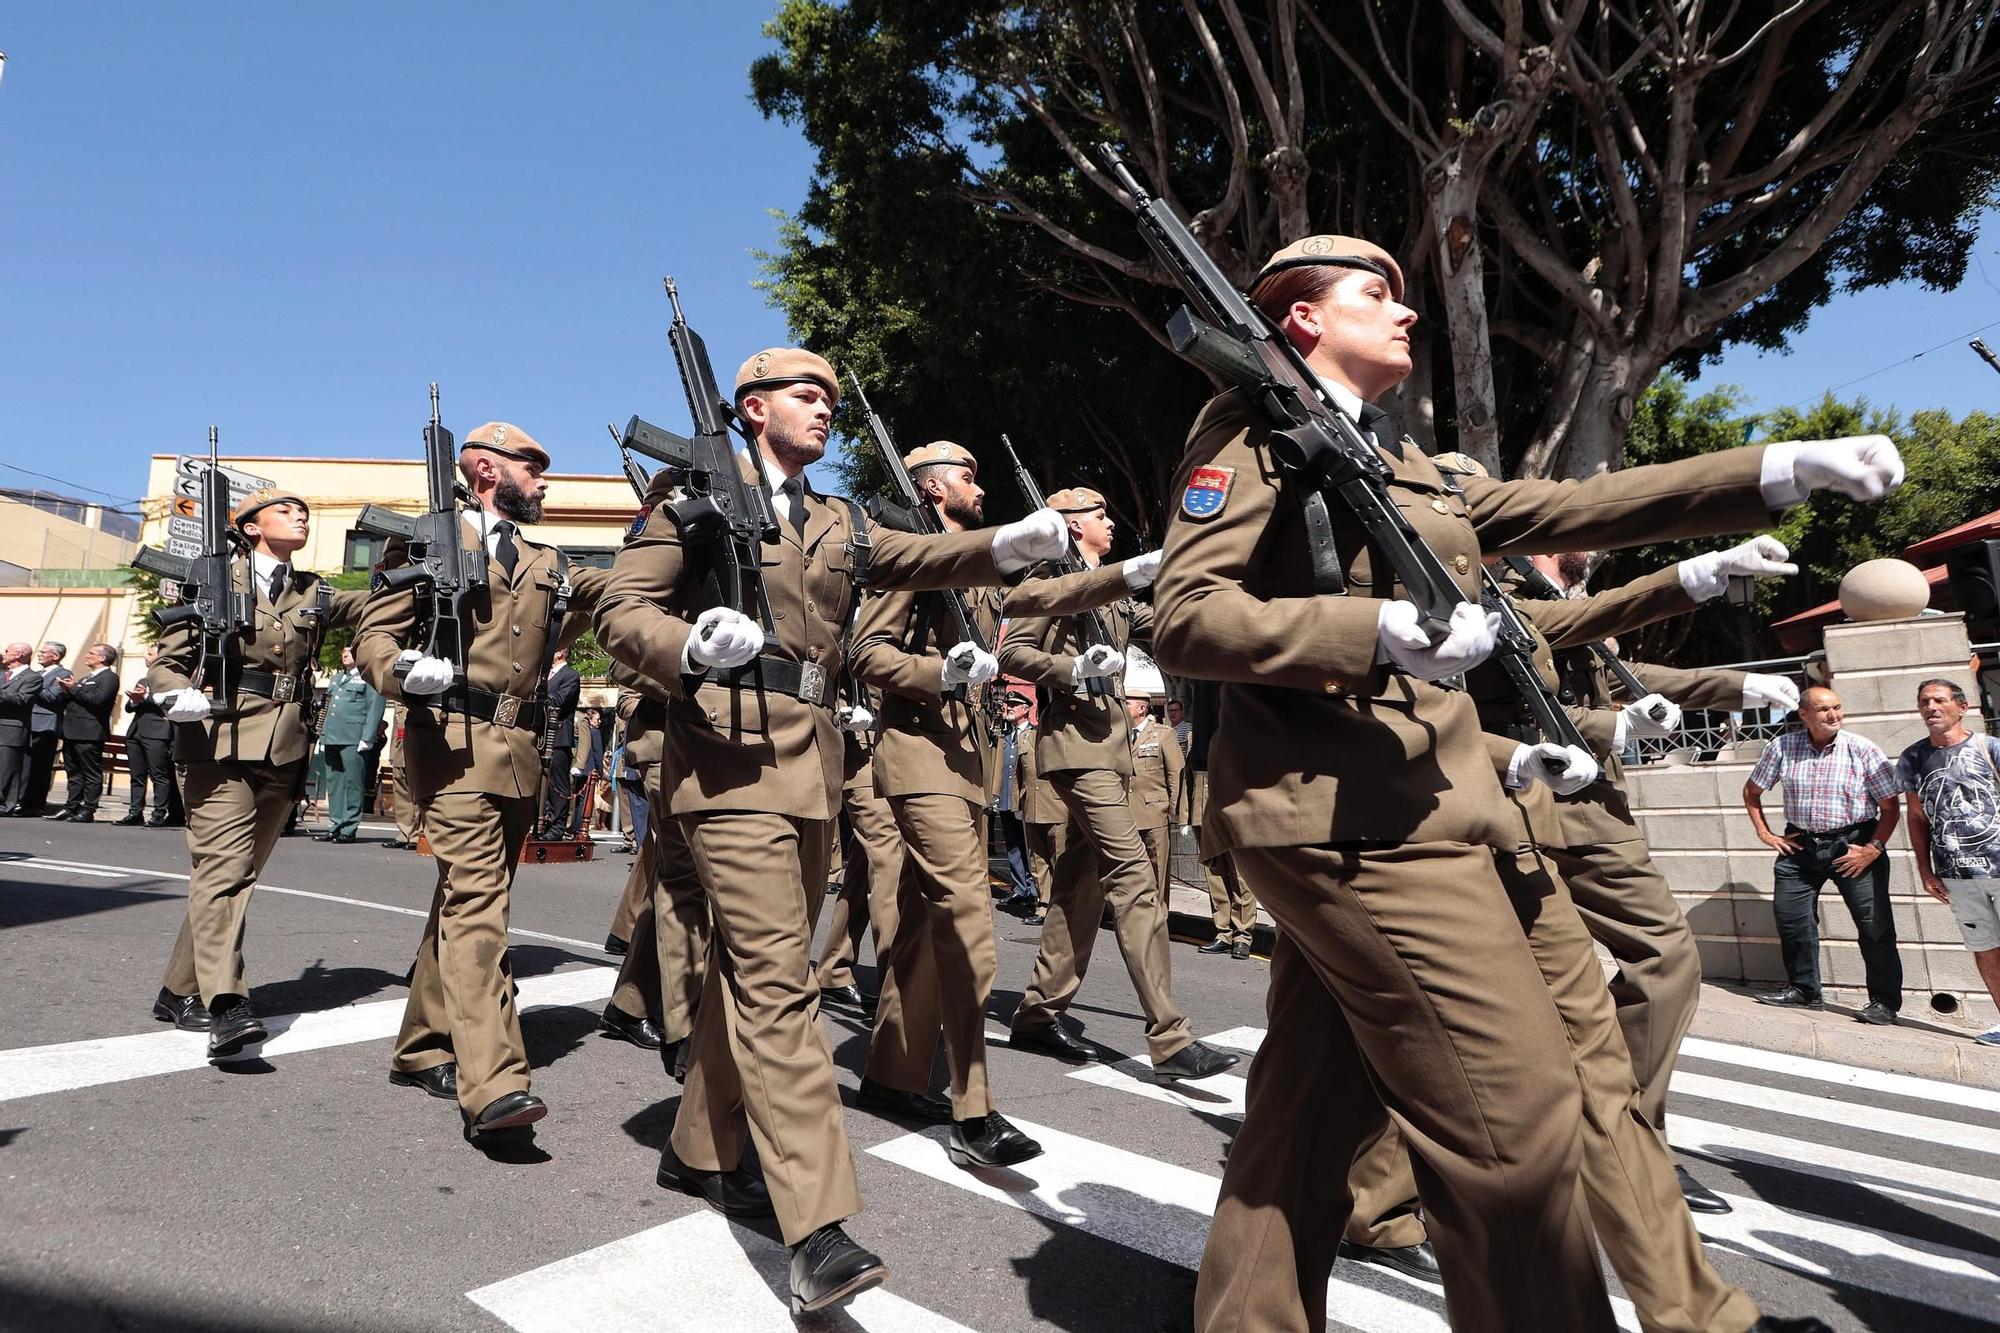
(1884, 590)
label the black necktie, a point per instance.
(795, 512)
(277, 583)
(1374, 421)
(504, 550)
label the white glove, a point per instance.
(1705, 576)
(1760, 691)
(855, 718)
(1561, 768)
(427, 675)
(1861, 467)
(1097, 660)
(364, 747)
(1141, 570)
(968, 664)
(723, 637)
(185, 705)
(1401, 641)
(1643, 717)
(1042, 535)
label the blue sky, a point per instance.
(286, 219)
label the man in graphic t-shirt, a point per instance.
(1953, 781)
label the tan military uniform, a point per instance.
(662, 973)
(868, 879)
(477, 803)
(1046, 817)
(241, 773)
(642, 740)
(408, 826)
(1231, 905)
(1084, 752)
(1157, 796)
(1362, 807)
(754, 777)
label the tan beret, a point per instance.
(1076, 500)
(940, 451)
(264, 498)
(786, 365)
(1460, 465)
(508, 440)
(1340, 251)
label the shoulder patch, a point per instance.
(1207, 491)
(639, 522)
(377, 580)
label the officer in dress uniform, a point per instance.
(1084, 752)
(752, 770)
(241, 767)
(1158, 786)
(472, 751)
(1361, 801)
(353, 731)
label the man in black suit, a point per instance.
(149, 746)
(564, 688)
(86, 720)
(19, 684)
(45, 728)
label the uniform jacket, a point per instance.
(1316, 743)
(353, 710)
(86, 714)
(1079, 730)
(17, 704)
(729, 748)
(49, 701)
(509, 642)
(645, 721)
(1157, 784)
(148, 719)
(283, 640)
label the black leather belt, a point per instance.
(1865, 829)
(270, 685)
(801, 680)
(504, 710)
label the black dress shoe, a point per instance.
(637, 1030)
(324, 835)
(1216, 945)
(918, 1106)
(1805, 1324)
(847, 997)
(1791, 997)
(439, 1081)
(185, 1012)
(616, 947)
(1418, 1261)
(1700, 1198)
(129, 821)
(232, 1026)
(1241, 951)
(159, 821)
(84, 817)
(1877, 1014)
(1050, 1039)
(61, 816)
(737, 1193)
(827, 1268)
(513, 1110)
(991, 1140)
(1197, 1059)
(674, 1058)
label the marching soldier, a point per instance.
(642, 719)
(407, 827)
(1158, 786)
(869, 876)
(1360, 799)
(241, 771)
(752, 770)
(473, 757)
(353, 726)
(1084, 752)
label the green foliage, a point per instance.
(589, 659)
(337, 639)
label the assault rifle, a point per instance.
(1089, 625)
(208, 587)
(717, 509)
(958, 621)
(635, 475)
(1540, 586)
(1515, 651)
(1314, 438)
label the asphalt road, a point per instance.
(141, 1188)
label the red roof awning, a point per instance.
(1799, 633)
(1930, 548)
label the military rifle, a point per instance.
(1515, 651)
(1089, 625)
(1985, 353)
(958, 621)
(1540, 586)
(634, 474)
(208, 587)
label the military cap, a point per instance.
(1339, 251)
(1076, 500)
(263, 498)
(940, 451)
(786, 365)
(507, 440)
(1460, 465)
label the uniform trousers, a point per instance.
(1401, 984)
(461, 1003)
(235, 815)
(1045, 846)
(1231, 905)
(940, 959)
(1104, 859)
(346, 786)
(869, 884)
(759, 1056)
(638, 892)
(1633, 1198)
(149, 763)
(1160, 852)
(662, 972)
(1627, 907)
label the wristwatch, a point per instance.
(1878, 844)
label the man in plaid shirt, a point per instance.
(1840, 808)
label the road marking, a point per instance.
(31, 1071)
(1160, 1210)
(1832, 1111)
(1884, 1175)
(694, 1275)
(1218, 1094)
(67, 868)
(1853, 1076)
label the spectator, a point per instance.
(632, 781)
(1954, 805)
(564, 688)
(1007, 800)
(45, 731)
(87, 702)
(1840, 808)
(1183, 726)
(149, 756)
(20, 685)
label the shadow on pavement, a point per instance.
(320, 987)
(26, 902)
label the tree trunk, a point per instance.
(1462, 280)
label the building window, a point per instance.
(364, 551)
(590, 557)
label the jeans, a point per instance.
(635, 804)
(1015, 834)
(1796, 882)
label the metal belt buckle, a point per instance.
(812, 684)
(283, 688)
(507, 711)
